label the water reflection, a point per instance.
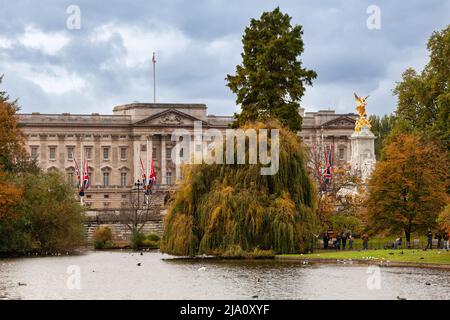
(116, 275)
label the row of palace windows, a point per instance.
(106, 152)
(106, 176)
(70, 152)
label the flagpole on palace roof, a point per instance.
(154, 77)
(81, 170)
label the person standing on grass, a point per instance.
(365, 239)
(338, 241)
(438, 236)
(429, 240)
(344, 240)
(350, 241)
(326, 238)
(446, 242)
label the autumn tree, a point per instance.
(424, 97)
(11, 139)
(271, 79)
(407, 189)
(444, 218)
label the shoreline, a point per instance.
(350, 262)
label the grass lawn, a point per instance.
(410, 255)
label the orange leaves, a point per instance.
(407, 189)
(9, 196)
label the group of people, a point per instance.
(442, 241)
(439, 237)
(340, 242)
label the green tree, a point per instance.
(424, 98)
(271, 80)
(381, 128)
(224, 208)
(38, 210)
(407, 188)
(52, 218)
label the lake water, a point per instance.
(116, 275)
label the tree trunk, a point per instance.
(408, 237)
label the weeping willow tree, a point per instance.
(221, 207)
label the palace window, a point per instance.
(52, 153)
(88, 153)
(105, 153)
(105, 179)
(34, 152)
(168, 153)
(169, 177)
(154, 154)
(341, 153)
(70, 178)
(123, 179)
(70, 153)
(123, 153)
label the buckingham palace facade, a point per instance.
(114, 144)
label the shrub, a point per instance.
(137, 240)
(153, 237)
(103, 238)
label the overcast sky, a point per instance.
(51, 68)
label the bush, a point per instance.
(153, 237)
(103, 238)
(137, 240)
(141, 240)
(150, 244)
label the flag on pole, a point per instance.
(152, 177)
(143, 175)
(77, 172)
(86, 175)
(328, 173)
(154, 58)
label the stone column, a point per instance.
(163, 159)
(136, 154)
(363, 152)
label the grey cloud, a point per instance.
(347, 56)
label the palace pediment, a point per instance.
(340, 122)
(169, 118)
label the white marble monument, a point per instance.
(363, 143)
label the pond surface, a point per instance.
(116, 275)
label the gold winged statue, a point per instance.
(361, 110)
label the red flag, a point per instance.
(152, 178)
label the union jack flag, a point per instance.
(86, 182)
